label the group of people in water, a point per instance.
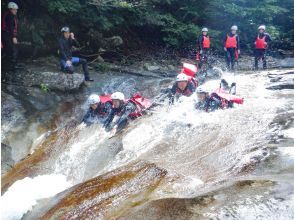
(115, 111)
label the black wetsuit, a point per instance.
(211, 103)
(261, 53)
(99, 115)
(9, 31)
(65, 50)
(119, 116)
(230, 53)
(175, 92)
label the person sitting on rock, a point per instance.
(123, 111)
(99, 109)
(182, 87)
(221, 98)
(67, 61)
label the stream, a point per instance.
(173, 163)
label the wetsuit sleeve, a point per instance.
(127, 111)
(109, 119)
(215, 104)
(87, 117)
(75, 43)
(238, 42)
(62, 50)
(171, 94)
(200, 42)
(268, 38)
(10, 22)
(224, 40)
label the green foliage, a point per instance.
(167, 23)
(44, 87)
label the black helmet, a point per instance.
(64, 29)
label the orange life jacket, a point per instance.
(206, 42)
(260, 42)
(141, 105)
(231, 42)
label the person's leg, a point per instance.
(228, 59)
(83, 62)
(256, 57)
(66, 68)
(264, 59)
(232, 54)
(8, 50)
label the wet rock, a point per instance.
(281, 81)
(44, 79)
(12, 115)
(6, 158)
(105, 196)
(150, 67)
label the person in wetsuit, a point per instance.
(231, 47)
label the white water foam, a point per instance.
(25, 193)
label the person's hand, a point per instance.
(14, 40)
(225, 49)
(72, 35)
(254, 43)
(238, 51)
(265, 43)
(68, 63)
(201, 52)
(113, 131)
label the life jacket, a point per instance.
(226, 97)
(4, 25)
(104, 99)
(260, 43)
(141, 105)
(231, 42)
(189, 69)
(206, 42)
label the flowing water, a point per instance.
(173, 163)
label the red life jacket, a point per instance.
(260, 42)
(141, 105)
(104, 99)
(4, 25)
(231, 42)
(206, 42)
(227, 97)
(189, 69)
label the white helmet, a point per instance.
(234, 28)
(12, 5)
(205, 29)
(118, 95)
(182, 77)
(93, 99)
(261, 27)
(201, 89)
(65, 29)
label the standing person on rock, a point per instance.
(67, 61)
(261, 43)
(231, 47)
(9, 35)
(204, 49)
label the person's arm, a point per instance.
(238, 42)
(126, 112)
(9, 20)
(224, 42)
(191, 87)
(109, 119)
(62, 51)
(268, 38)
(171, 94)
(200, 42)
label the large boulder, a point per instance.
(44, 79)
